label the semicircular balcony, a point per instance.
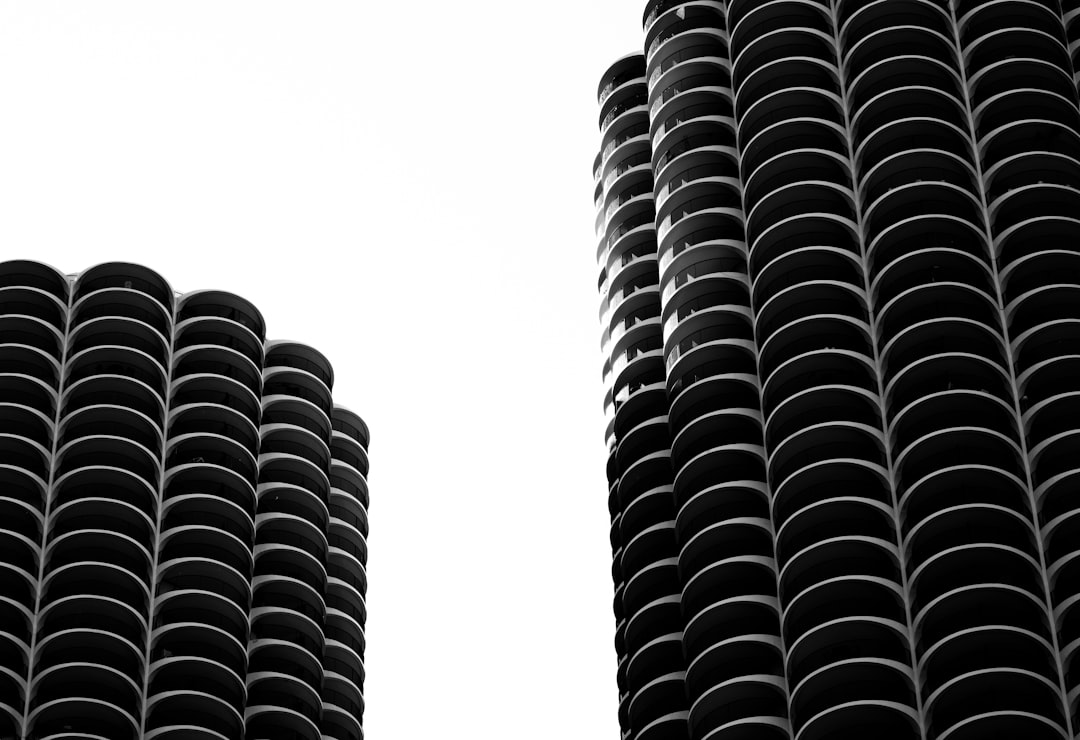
(349, 511)
(31, 332)
(938, 411)
(345, 629)
(659, 657)
(841, 441)
(838, 557)
(108, 452)
(928, 266)
(275, 720)
(980, 370)
(126, 276)
(80, 681)
(844, 639)
(810, 107)
(711, 390)
(101, 551)
(1016, 107)
(30, 274)
(748, 23)
(23, 300)
(21, 359)
(101, 420)
(673, 28)
(83, 716)
(724, 619)
(856, 513)
(660, 697)
(997, 690)
(772, 84)
(32, 395)
(1041, 268)
(88, 612)
(915, 200)
(722, 501)
(204, 541)
(122, 363)
(799, 232)
(204, 449)
(816, 368)
(886, 720)
(872, 682)
(118, 303)
(1051, 339)
(112, 390)
(104, 514)
(195, 477)
(653, 620)
(820, 481)
(113, 331)
(820, 404)
(202, 402)
(724, 539)
(727, 578)
(200, 573)
(273, 662)
(956, 446)
(219, 332)
(740, 461)
(986, 647)
(197, 639)
(802, 132)
(746, 702)
(976, 564)
(717, 429)
(1041, 306)
(743, 655)
(208, 359)
(910, 67)
(223, 305)
(204, 685)
(195, 605)
(191, 715)
(93, 646)
(841, 597)
(287, 593)
(1025, 136)
(897, 104)
(968, 524)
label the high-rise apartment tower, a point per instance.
(839, 249)
(183, 514)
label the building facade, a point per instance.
(839, 252)
(183, 518)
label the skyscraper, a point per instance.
(839, 249)
(183, 518)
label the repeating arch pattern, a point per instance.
(183, 514)
(865, 219)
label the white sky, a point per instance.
(408, 188)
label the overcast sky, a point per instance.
(408, 188)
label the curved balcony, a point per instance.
(126, 276)
(21, 359)
(122, 363)
(121, 303)
(30, 331)
(865, 682)
(26, 273)
(219, 304)
(209, 359)
(111, 331)
(213, 399)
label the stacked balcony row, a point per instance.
(649, 635)
(174, 515)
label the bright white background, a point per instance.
(407, 187)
